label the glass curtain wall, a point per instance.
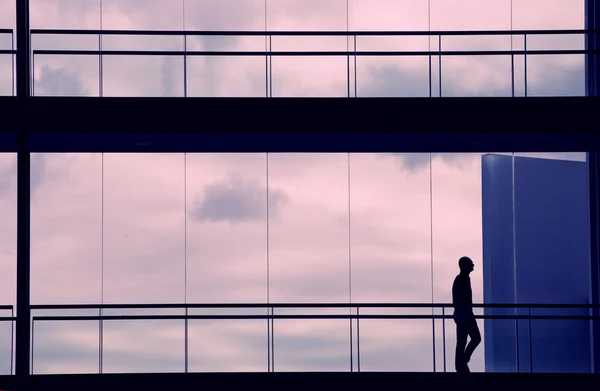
(173, 73)
(305, 228)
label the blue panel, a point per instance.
(553, 259)
(552, 250)
(498, 265)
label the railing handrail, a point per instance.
(303, 316)
(309, 32)
(304, 305)
(300, 53)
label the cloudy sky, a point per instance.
(170, 228)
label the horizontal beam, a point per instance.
(318, 53)
(309, 33)
(77, 124)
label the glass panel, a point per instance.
(64, 14)
(225, 15)
(566, 72)
(228, 345)
(143, 346)
(8, 251)
(144, 228)
(142, 15)
(311, 345)
(315, 15)
(66, 228)
(551, 220)
(390, 228)
(6, 74)
(147, 76)
(391, 257)
(396, 345)
(548, 14)
(470, 15)
(308, 227)
(65, 347)
(393, 76)
(388, 15)
(457, 232)
(476, 75)
(310, 76)
(6, 345)
(226, 76)
(66, 75)
(227, 228)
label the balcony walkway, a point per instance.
(312, 381)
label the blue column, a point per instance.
(592, 42)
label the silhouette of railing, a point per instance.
(270, 315)
(352, 53)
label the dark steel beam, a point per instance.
(23, 323)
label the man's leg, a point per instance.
(461, 341)
(473, 330)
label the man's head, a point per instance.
(466, 265)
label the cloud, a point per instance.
(58, 82)
(235, 199)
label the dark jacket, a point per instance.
(462, 296)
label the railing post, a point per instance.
(592, 63)
(594, 255)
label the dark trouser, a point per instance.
(465, 326)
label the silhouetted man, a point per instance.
(466, 324)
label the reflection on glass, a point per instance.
(386, 15)
(548, 14)
(8, 227)
(310, 76)
(391, 256)
(470, 15)
(136, 15)
(64, 75)
(143, 76)
(6, 75)
(227, 228)
(226, 76)
(66, 228)
(228, 346)
(144, 228)
(556, 75)
(308, 227)
(229, 15)
(396, 345)
(315, 15)
(64, 347)
(143, 346)
(64, 14)
(393, 76)
(311, 345)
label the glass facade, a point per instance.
(249, 60)
(207, 258)
(269, 228)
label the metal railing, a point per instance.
(354, 316)
(352, 53)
